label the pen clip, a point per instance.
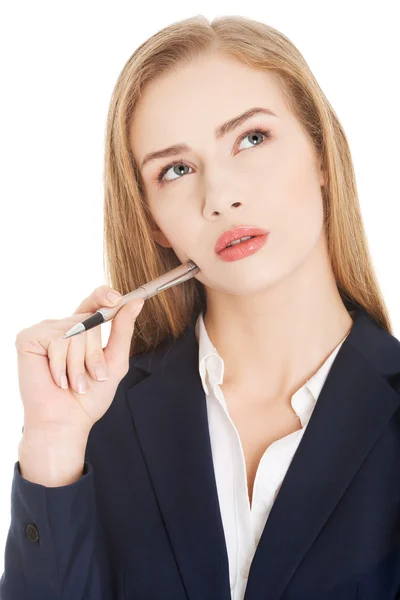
(180, 278)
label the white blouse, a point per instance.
(243, 525)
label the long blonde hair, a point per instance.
(133, 257)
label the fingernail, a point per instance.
(64, 382)
(82, 384)
(100, 372)
(113, 297)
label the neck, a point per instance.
(276, 340)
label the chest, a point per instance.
(258, 427)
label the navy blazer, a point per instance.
(143, 522)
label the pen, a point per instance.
(152, 288)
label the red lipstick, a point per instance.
(243, 248)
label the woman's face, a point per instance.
(271, 180)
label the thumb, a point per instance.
(123, 324)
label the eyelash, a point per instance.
(159, 178)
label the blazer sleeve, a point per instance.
(54, 548)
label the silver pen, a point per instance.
(149, 289)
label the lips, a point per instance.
(235, 234)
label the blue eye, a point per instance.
(160, 177)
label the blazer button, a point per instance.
(32, 533)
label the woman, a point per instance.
(251, 449)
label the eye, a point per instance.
(160, 178)
(253, 134)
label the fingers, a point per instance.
(116, 352)
(67, 359)
(75, 363)
(57, 352)
(81, 358)
(97, 299)
(94, 357)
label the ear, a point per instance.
(322, 175)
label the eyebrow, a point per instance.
(220, 132)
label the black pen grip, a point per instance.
(93, 320)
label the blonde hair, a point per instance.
(132, 255)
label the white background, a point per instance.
(59, 64)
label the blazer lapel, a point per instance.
(352, 410)
(170, 417)
(169, 412)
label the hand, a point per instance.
(44, 357)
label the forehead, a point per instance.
(198, 95)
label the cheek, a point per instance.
(179, 233)
(176, 218)
(303, 227)
(297, 218)
(304, 210)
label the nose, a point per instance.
(220, 205)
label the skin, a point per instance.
(276, 315)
